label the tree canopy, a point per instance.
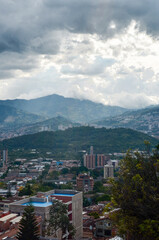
(26, 191)
(28, 228)
(59, 220)
(136, 194)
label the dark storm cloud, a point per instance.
(11, 42)
(15, 61)
(22, 22)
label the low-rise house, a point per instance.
(104, 228)
(101, 228)
(94, 208)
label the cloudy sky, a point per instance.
(103, 50)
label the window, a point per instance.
(100, 223)
(107, 233)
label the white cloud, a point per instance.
(104, 52)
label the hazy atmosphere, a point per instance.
(106, 51)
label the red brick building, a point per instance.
(101, 160)
(90, 161)
(84, 182)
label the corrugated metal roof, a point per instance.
(16, 220)
(12, 215)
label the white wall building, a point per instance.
(108, 171)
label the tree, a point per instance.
(95, 173)
(28, 228)
(54, 175)
(98, 186)
(94, 214)
(9, 193)
(136, 194)
(67, 186)
(147, 146)
(59, 220)
(64, 171)
(86, 202)
(26, 191)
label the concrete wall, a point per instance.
(77, 217)
(37, 199)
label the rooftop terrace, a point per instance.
(43, 200)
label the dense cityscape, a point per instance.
(84, 186)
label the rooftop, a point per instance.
(47, 202)
(16, 220)
(7, 217)
(45, 199)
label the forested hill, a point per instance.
(76, 139)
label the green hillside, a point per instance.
(73, 140)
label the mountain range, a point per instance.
(53, 112)
(76, 110)
(144, 120)
(19, 116)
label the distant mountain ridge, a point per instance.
(145, 120)
(22, 116)
(52, 124)
(13, 117)
(76, 110)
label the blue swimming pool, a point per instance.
(38, 204)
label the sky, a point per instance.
(106, 51)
